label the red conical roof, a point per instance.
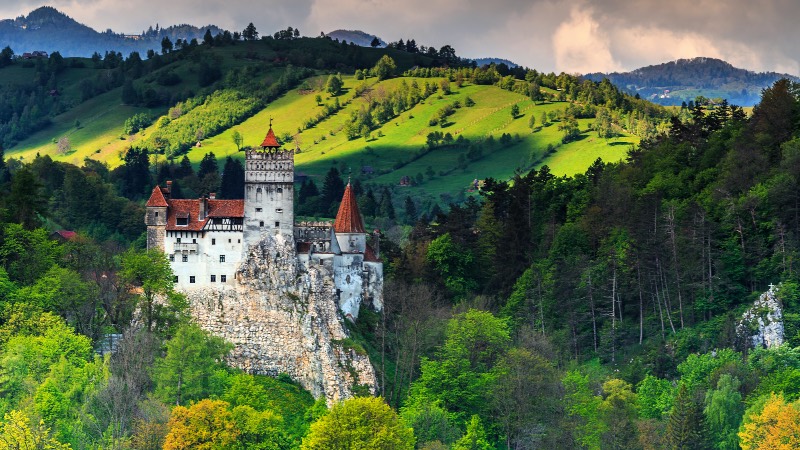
(348, 219)
(270, 141)
(157, 198)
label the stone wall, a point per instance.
(762, 324)
(283, 318)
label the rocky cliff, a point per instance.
(762, 324)
(283, 317)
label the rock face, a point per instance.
(282, 317)
(762, 324)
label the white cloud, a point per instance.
(581, 46)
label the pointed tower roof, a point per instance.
(348, 219)
(157, 198)
(270, 141)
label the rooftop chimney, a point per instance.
(212, 196)
(168, 191)
(203, 208)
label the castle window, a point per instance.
(223, 278)
(261, 224)
(279, 190)
(191, 279)
(194, 241)
(279, 210)
(171, 258)
(213, 241)
(238, 241)
(185, 258)
(182, 221)
(258, 209)
(213, 278)
(156, 213)
(221, 258)
(277, 224)
(175, 279)
(178, 240)
(229, 241)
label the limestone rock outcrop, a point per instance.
(762, 324)
(282, 317)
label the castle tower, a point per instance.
(268, 190)
(155, 217)
(348, 226)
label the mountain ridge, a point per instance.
(681, 80)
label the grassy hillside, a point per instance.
(393, 150)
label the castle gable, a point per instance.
(157, 198)
(184, 215)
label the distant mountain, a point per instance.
(357, 37)
(682, 80)
(486, 61)
(50, 30)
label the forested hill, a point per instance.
(47, 29)
(686, 79)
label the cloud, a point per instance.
(569, 35)
(581, 46)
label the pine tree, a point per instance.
(208, 165)
(684, 428)
(332, 190)
(185, 168)
(232, 185)
(387, 208)
(411, 210)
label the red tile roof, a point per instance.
(65, 234)
(369, 255)
(191, 208)
(270, 140)
(348, 219)
(157, 198)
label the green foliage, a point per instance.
(361, 422)
(20, 432)
(151, 272)
(723, 413)
(654, 397)
(384, 68)
(452, 264)
(137, 122)
(474, 438)
(583, 408)
(185, 372)
(334, 85)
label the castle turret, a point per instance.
(348, 226)
(156, 217)
(268, 190)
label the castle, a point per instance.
(207, 239)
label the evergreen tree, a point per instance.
(387, 207)
(307, 189)
(208, 166)
(26, 202)
(684, 428)
(136, 173)
(250, 33)
(411, 210)
(4, 174)
(185, 169)
(232, 185)
(332, 191)
(208, 39)
(368, 205)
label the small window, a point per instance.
(261, 223)
(238, 241)
(213, 241)
(279, 210)
(185, 258)
(213, 278)
(191, 279)
(223, 278)
(279, 190)
(277, 224)
(194, 241)
(258, 209)
(172, 258)
(178, 241)
(156, 213)
(229, 241)
(221, 258)
(174, 279)
(182, 221)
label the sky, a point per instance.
(574, 36)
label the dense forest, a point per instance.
(593, 311)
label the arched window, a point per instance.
(258, 194)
